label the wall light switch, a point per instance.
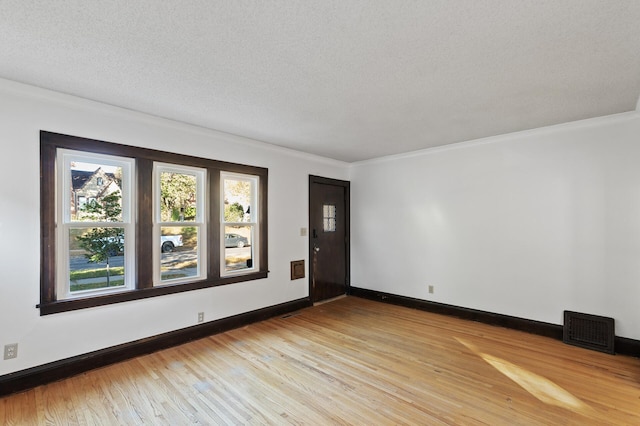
(303, 232)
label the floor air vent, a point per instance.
(589, 331)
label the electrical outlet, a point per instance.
(11, 351)
(430, 289)
(200, 316)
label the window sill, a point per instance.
(144, 293)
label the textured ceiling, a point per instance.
(345, 79)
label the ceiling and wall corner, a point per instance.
(344, 79)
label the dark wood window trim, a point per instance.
(51, 142)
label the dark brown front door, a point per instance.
(328, 237)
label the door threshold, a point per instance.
(333, 299)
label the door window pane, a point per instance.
(329, 218)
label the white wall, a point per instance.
(24, 111)
(527, 224)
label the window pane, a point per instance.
(96, 258)
(237, 200)
(329, 218)
(179, 252)
(238, 251)
(177, 197)
(96, 192)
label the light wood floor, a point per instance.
(351, 361)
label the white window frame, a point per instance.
(64, 223)
(200, 222)
(253, 221)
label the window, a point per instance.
(122, 223)
(239, 224)
(179, 224)
(93, 238)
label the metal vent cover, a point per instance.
(589, 331)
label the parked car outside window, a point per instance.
(235, 240)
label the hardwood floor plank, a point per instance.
(19, 411)
(350, 361)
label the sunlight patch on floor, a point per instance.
(333, 299)
(540, 387)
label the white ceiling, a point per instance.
(345, 79)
